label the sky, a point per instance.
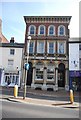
(12, 12)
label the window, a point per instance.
(50, 72)
(61, 48)
(79, 47)
(12, 51)
(61, 30)
(80, 62)
(42, 30)
(51, 47)
(32, 30)
(39, 71)
(51, 30)
(31, 48)
(10, 62)
(40, 47)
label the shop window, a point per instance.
(50, 72)
(39, 71)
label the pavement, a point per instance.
(58, 103)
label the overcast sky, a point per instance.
(12, 13)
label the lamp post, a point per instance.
(26, 71)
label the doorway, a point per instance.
(61, 75)
(29, 74)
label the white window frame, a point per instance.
(48, 47)
(33, 47)
(44, 30)
(51, 72)
(38, 48)
(64, 47)
(34, 30)
(59, 30)
(12, 53)
(40, 68)
(53, 31)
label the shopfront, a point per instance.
(75, 80)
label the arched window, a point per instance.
(42, 30)
(51, 30)
(32, 30)
(61, 30)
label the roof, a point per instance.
(3, 39)
(47, 18)
(16, 45)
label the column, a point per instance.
(67, 79)
(45, 79)
(33, 80)
(56, 79)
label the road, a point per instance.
(23, 110)
(8, 92)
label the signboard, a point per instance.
(75, 74)
(26, 65)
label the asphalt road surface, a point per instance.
(23, 110)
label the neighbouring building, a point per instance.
(2, 37)
(48, 51)
(11, 54)
(75, 63)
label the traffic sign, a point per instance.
(26, 65)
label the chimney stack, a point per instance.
(12, 40)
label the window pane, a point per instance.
(61, 48)
(80, 63)
(50, 72)
(61, 31)
(42, 30)
(51, 31)
(51, 48)
(31, 47)
(12, 51)
(41, 47)
(32, 30)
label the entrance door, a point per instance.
(61, 75)
(29, 75)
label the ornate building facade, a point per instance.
(48, 51)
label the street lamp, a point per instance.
(26, 71)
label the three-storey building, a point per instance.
(48, 51)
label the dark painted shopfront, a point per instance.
(75, 80)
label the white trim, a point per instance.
(38, 51)
(54, 32)
(44, 30)
(64, 47)
(48, 46)
(34, 30)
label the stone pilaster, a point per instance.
(45, 79)
(33, 80)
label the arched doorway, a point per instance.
(29, 74)
(61, 75)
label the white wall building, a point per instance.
(74, 62)
(10, 62)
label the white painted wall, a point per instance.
(73, 56)
(5, 55)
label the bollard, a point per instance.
(15, 91)
(71, 96)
